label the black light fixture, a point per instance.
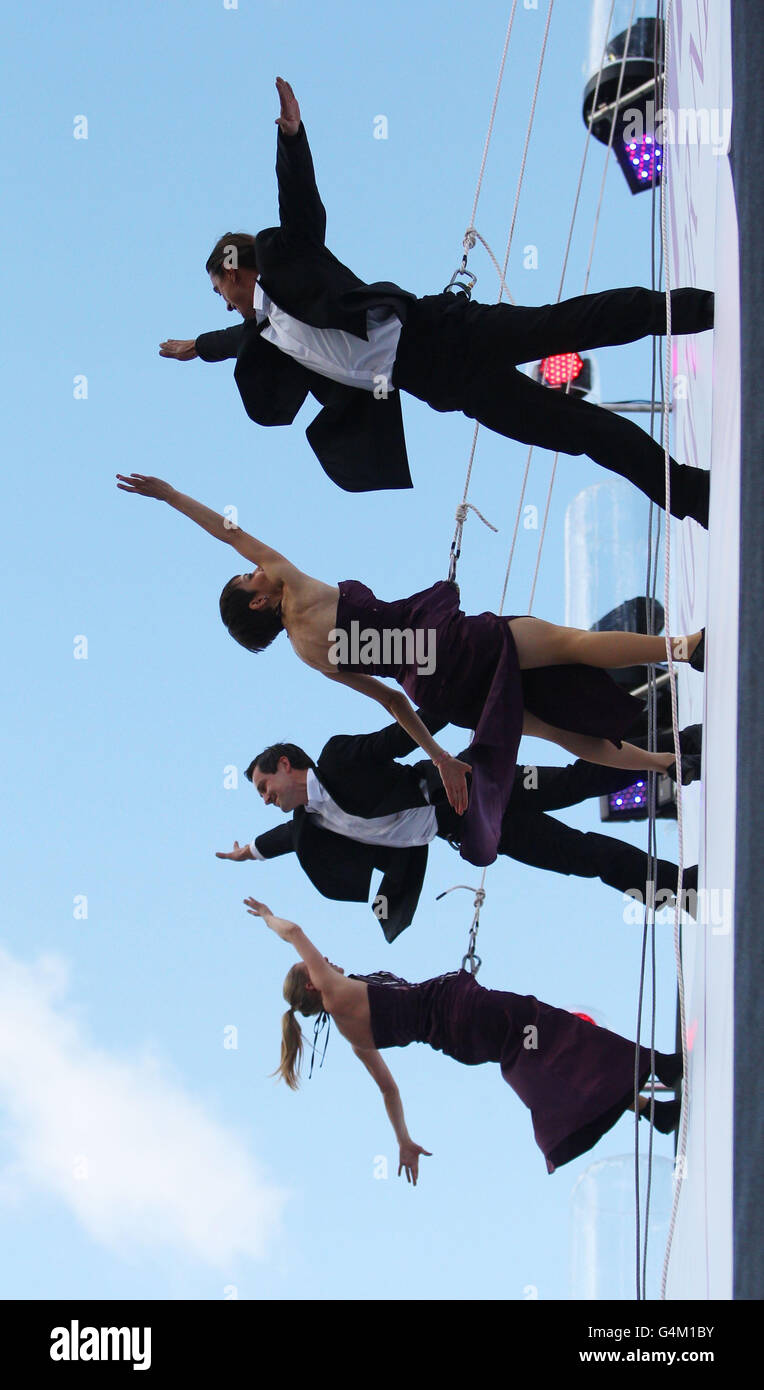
(638, 134)
(567, 372)
(631, 802)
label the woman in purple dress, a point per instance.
(500, 677)
(576, 1079)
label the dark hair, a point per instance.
(241, 244)
(268, 760)
(253, 628)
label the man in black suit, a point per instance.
(310, 325)
(357, 809)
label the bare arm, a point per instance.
(408, 1151)
(276, 566)
(453, 772)
(334, 988)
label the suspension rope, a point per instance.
(471, 233)
(494, 105)
(456, 544)
(470, 960)
(595, 229)
(566, 254)
(682, 1145)
(651, 580)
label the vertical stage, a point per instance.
(705, 583)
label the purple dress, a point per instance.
(576, 1079)
(477, 684)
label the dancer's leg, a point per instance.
(545, 644)
(597, 750)
(505, 400)
(512, 333)
(546, 843)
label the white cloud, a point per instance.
(137, 1160)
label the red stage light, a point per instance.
(558, 371)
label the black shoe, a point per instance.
(690, 879)
(666, 1115)
(708, 312)
(668, 1069)
(690, 769)
(667, 885)
(690, 494)
(691, 739)
(698, 658)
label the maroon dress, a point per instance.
(576, 1079)
(477, 684)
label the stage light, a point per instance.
(633, 113)
(557, 371)
(630, 803)
(567, 372)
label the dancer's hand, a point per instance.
(144, 486)
(453, 775)
(238, 854)
(256, 909)
(288, 121)
(408, 1156)
(182, 349)
(286, 930)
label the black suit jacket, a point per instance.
(360, 773)
(357, 438)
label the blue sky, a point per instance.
(139, 1157)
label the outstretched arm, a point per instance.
(301, 213)
(334, 988)
(408, 1151)
(276, 566)
(453, 772)
(381, 746)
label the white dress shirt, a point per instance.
(331, 352)
(403, 829)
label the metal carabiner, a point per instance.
(460, 285)
(471, 962)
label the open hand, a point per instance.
(409, 1160)
(286, 930)
(146, 487)
(289, 119)
(453, 775)
(182, 349)
(238, 854)
(256, 909)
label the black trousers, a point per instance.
(456, 355)
(533, 837)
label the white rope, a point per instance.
(470, 237)
(595, 229)
(489, 132)
(528, 131)
(472, 230)
(682, 1145)
(468, 242)
(574, 214)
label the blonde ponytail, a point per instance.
(291, 1051)
(299, 996)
